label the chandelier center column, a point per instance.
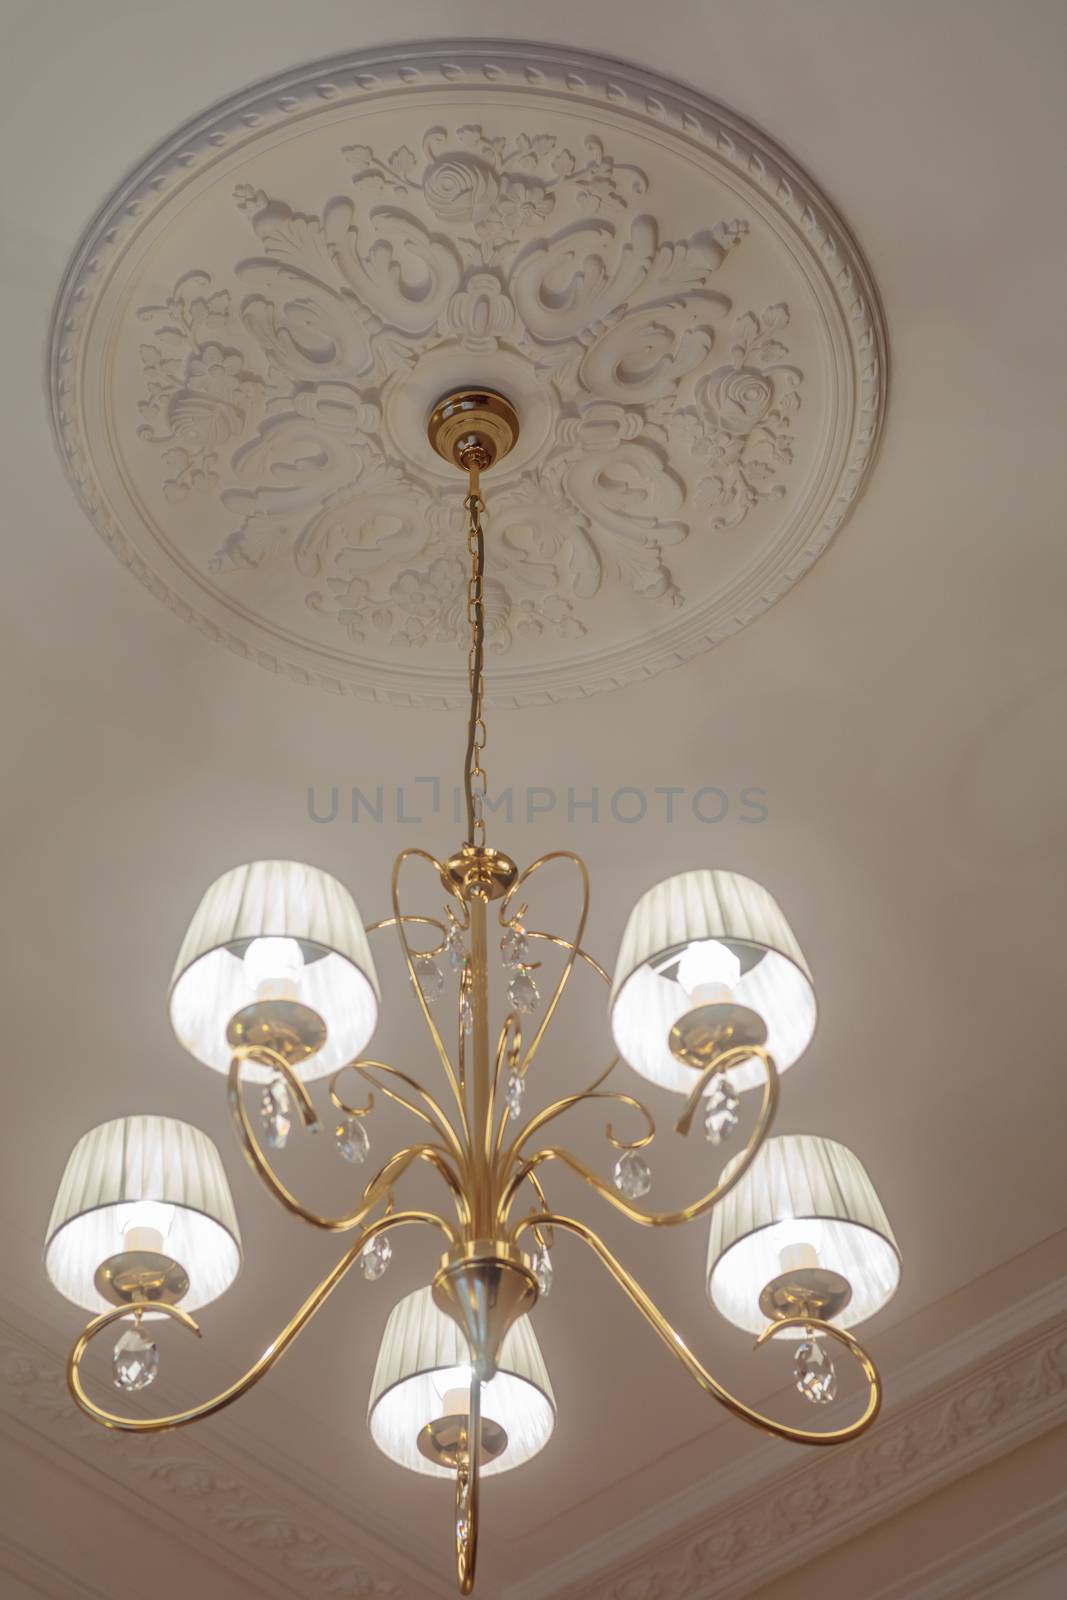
(482, 1118)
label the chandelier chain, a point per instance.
(474, 778)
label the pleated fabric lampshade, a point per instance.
(739, 921)
(131, 1179)
(804, 1199)
(288, 930)
(424, 1357)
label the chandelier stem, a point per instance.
(481, 1082)
(474, 459)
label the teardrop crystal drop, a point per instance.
(375, 1257)
(543, 1271)
(274, 1111)
(516, 1088)
(720, 1111)
(135, 1361)
(814, 1372)
(429, 977)
(353, 1140)
(522, 991)
(514, 946)
(466, 1013)
(632, 1175)
(454, 947)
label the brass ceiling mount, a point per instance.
(479, 870)
(473, 424)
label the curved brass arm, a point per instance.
(572, 946)
(700, 1374)
(549, 1114)
(273, 1353)
(509, 1047)
(376, 1189)
(567, 944)
(468, 1484)
(434, 1117)
(443, 1056)
(655, 1219)
(425, 922)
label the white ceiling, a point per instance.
(902, 708)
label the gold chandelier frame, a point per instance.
(486, 1157)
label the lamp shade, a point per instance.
(736, 920)
(307, 925)
(424, 1356)
(143, 1173)
(801, 1195)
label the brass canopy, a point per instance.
(806, 1292)
(485, 1287)
(445, 1441)
(293, 1030)
(479, 870)
(473, 425)
(141, 1275)
(706, 1031)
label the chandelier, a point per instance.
(275, 985)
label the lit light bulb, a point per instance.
(798, 1257)
(708, 971)
(452, 1386)
(273, 967)
(144, 1224)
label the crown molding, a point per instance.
(36, 1576)
(952, 1410)
(255, 1519)
(995, 1566)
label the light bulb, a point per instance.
(452, 1387)
(144, 1224)
(708, 971)
(798, 1257)
(273, 967)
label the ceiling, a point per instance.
(900, 711)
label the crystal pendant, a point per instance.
(466, 1013)
(522, 991)
(516, 1088)
(429, 977)
(632, 1175)
(814, 1372)
(543, 1270)
(375, 1257)
(353, 1140)
(720, 1111)
(274, 1110)
(514, 946)
(135, 1361)
(454, 947)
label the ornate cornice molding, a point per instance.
(243, 1514)
(668, 397)
(952, 1411)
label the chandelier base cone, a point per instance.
(473, 422)
(485, 1287)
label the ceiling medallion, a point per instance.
(276, 986)
(255, 327)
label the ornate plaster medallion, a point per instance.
(254, 329)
